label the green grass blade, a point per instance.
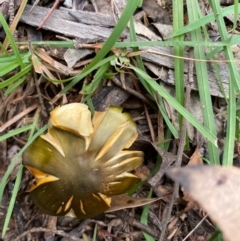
(11, 88)
(19, 174)
(178, 51)
(88, 71)
(15, 132)
(233, 78)
(12, 201)
(69, 44)
(97, 79)
(15, 77)
(231, 127)
(237, 130)
(235, 19)
(11, 40)
(146, 85)
(234, 75)
(144, 218)
(14, 25)
(8, 67)
(204, 20)
(9, 56)
(95, 233)
(127, 13)
(173, 102)
(173, 43)
(214, 64)
(203, 83)
(13, 162)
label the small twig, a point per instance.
(167, 159)
(49, 13)
(180, 148)
(192, 231)
(51, 224)
(149, 123)
(43, 109)
(133, 92)
(36, 230)
(11, 11)
(131, 221)
(18, 218)
(145, 51)
(34, 5)
(154, 220)
(94, 5)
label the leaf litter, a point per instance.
(212, 188)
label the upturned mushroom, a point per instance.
(81, 164)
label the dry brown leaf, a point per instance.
(217, 190)
(55, 64)
(145, 31)
(196, 159)
(37, 64)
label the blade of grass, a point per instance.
(8, 67)
(171, 129)
(85, 73)
(14, 86)
(234, 75)
(11, 40)
(13, 162)
(69, 44)
(234, 78)
(231, 127)
(235, 19)
(95, 233)
(15, 132)
(15, 77)
(127, 13)
(191, 26)
(178, 51)
(148, 87)
(144, 218)
(216, 236)
(12, 201)
(10, 56)
(237, 132)
(203, 83)
(13, 26)
(98, 77)
(204, 20)
(214, 64)
(172, 101)
(12, 165)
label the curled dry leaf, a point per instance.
(196, 159)
(80, 166)
(217, 190)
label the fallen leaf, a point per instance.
(217, 190)
(196, 159)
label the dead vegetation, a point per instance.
(180, 213)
